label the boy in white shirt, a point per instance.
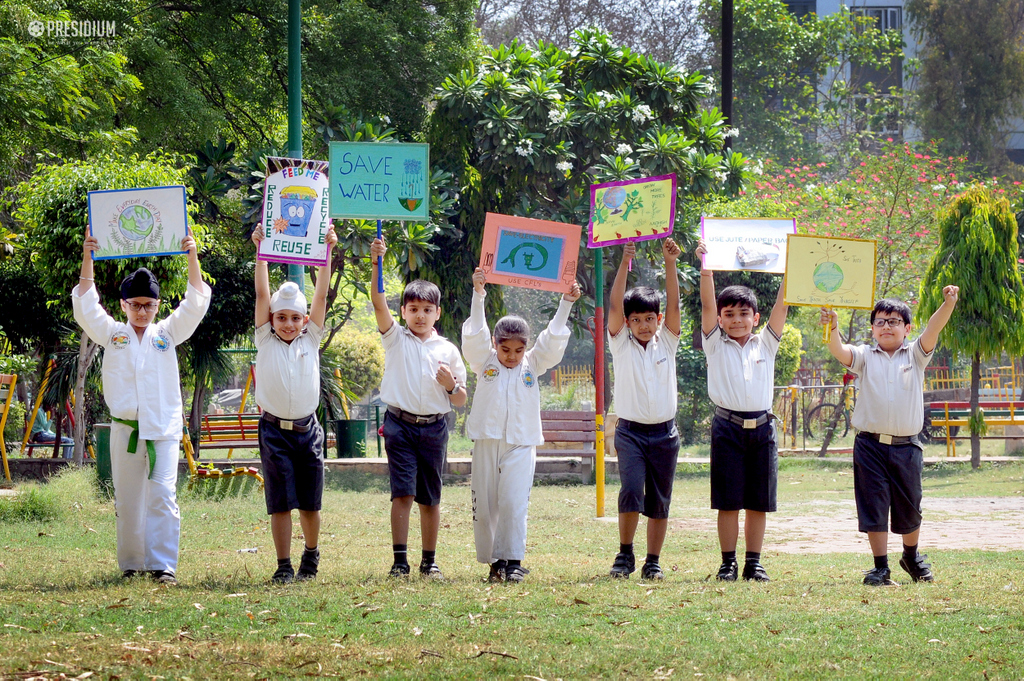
(504, 424)
(288, 392)
(741, 381)
(643, 345)
(142, 389)
(424, 376)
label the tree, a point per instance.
(803, 87)
(54, 212)
(526, 132)
(978, 252)
(972, 73)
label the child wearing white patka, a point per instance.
(504, 424)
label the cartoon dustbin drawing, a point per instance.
(297, 205)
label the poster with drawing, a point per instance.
(295, 220)
(537, 254)
(380, 181)
(830, 271)
(631, 210)
(755, 244)
(130, 223)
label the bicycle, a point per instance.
(824, 416)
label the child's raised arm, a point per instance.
(708, 302)
(379, 300)
(671, 251)
(195, 273)
(836, 346)
(262, 282)
(777, 320)
(85, 280)
(318, 309)
(615, 317)
(930, 337)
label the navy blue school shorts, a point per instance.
(744, 465)
(416, 458)
(887, 478)
(647, 454)
(293, 467)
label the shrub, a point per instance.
(359, 356)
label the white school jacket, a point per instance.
(140, 379)
(506, 404)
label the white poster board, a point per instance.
(754, 244)
(131, 223)
(295, 212)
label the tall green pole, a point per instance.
(599, 376)
(296, 273)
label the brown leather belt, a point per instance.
(299, 425)
(415, 419)
(748, 424)
(890, 439)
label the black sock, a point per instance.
(753, 557)
(428, 556)
(626, 548)
(728, 556)
(513, 563)
(652, 558)
(284, 562)
(910, 552)
(882, 562)
(401, 554)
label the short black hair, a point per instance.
(740, 296)
(892, 305)
(511, 327)
(421, 290)
(639, 300)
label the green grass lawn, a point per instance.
(64, 609)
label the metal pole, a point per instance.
(296, 273)
(727, 39)
(599, 377)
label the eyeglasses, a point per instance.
(148, 307)
(892, 323)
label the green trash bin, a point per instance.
(350, 437)
(103, 471)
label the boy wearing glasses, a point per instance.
(142, 389)
(887, 454)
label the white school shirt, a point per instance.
(645, 388)
(410, 371)
(140, 378)
(288, 374)
(891, 389)
(506, 404)
(741, 378)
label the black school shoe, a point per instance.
(652, 572)
(516, 573)
(624, 566)
(308, 565)
(399, 570)
(728, 571)
(497, 573)
(431, 570)
(754, 571)
(918, 570)
(285, 575)
(878, 577)
(164, 577)
(128, 574)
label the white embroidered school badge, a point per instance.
(490, 373)
(528, 379)
(161, 342)
(119, 340)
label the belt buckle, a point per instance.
(885, 439)
(422, 419)
(284, 425)
(748, 424)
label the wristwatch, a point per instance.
(454, 388)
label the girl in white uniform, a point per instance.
(505, 426)
(142, 389)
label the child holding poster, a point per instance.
(288, 393)
(887, 455)
(505, 425)
(741, 381)
(424, 376)
(643, 346)
(141, 387)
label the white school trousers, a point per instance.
(502, 480)
(148, 522)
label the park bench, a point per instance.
(570, 434)
(952, 416)
(229, 431)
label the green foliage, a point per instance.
(971, 75)
(14, 428)
(803, 87)
(26, 320)
(359, 357)
(693, 416)
(36, 504)
(787, 359)
(978, 252)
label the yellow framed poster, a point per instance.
(830, 271)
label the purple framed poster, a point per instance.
(631, 210)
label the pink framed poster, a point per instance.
(537, 254)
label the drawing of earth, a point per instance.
(613, 198)
(135, 223)
(827, 277)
